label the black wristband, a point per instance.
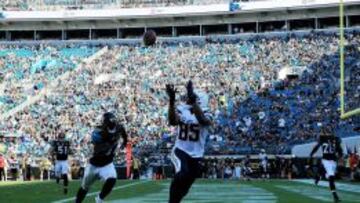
(192, 98)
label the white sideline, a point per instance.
(210, 192)
(97, 192)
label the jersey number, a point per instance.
(62, 149)
(328, 148)
(189, 132)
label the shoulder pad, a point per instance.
(338, 139)
(96, 136)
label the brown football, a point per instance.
(149, 38)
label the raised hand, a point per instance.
(190, 92)
(171, 92)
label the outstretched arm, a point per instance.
(124, 136)
(52, 150)
(199, 114)
(339, 149)
(172, 115)
(315, 149)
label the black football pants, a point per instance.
(187, 169)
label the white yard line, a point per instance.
(322, 192)
(339, 186)
(313, 193)
(97, 192)
(210, 193)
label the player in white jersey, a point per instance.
(263, 164)
(193, 120)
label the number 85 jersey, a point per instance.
(191, 136)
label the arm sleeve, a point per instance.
(173, 117)
(52, 147)
(315, 149)
(96, 136)
(201, 116)
(208, 115)
(338, 147)
(71, 151)
(124, 135)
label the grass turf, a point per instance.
(44, 192)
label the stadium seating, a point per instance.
(27, 69)
(252, 108)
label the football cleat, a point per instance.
(336, 198)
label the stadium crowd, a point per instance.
(25, 70)
(252, 108)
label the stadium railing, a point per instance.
(185, 40)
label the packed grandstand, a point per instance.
(47, 87)
(240, 76)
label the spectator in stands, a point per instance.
(289, 169)
(353, 162)
(228, 172)
(45, 166)
(277, 167)
(136, 165)
(237, 171)
(27, 161)
(252, 107)
(212, 170)
(246, 168)
(23, 164)
(2, 167)
(14, 167)
(82, 164)
(74, 169)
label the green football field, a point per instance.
(209, 191)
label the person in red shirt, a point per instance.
(2, 167)
(14, 167)
(353, 162)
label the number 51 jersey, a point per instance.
(191, 135)
(62, 149)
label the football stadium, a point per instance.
(169, 101)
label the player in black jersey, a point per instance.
(331, 152)
(60, 152)
(105, 139)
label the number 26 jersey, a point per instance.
(191, 136)
(331, 147)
